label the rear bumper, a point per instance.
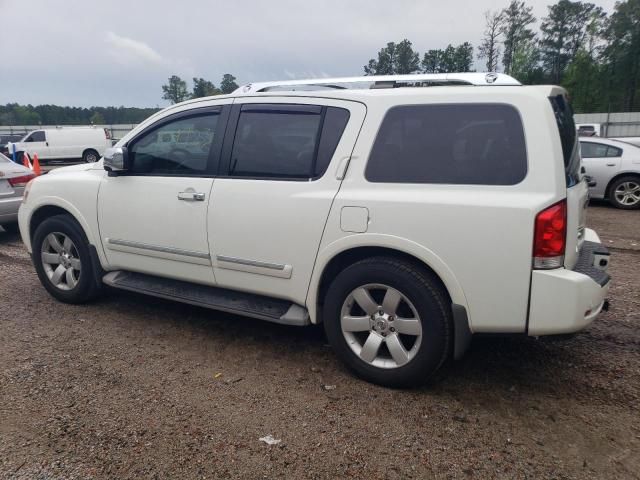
(9, 209)
(566, 301)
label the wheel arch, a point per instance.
(51, 206)
(337, 256)
(90, 149)
(617, 176)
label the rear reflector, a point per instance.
(20, 181)
(550, 237)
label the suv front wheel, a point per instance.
(389, 321)
(62, 260)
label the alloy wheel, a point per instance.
(628, 193)
(381, 326)
(61, 261)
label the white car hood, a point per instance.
(77, 168)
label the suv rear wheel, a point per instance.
(62, 260)
(625, 192)
(389, 321)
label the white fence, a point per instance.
(613, 124)
(117, 131)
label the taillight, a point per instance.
(107, 134)
(20, 181)
(550, 237)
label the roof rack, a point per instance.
(381, 81)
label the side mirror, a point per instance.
(116, 160)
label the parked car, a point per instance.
(13, 178)
(6, 139)
(87, 143)
(589, 129)
(613, 168)
(404, 218)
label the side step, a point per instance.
(247, 304)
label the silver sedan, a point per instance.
(13, 178)
(613, 170)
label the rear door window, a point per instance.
(285, 141)
(470, 144)
(614, 152)
(593, 150)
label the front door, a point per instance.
(283, 162)
(153, 219)
(37, 143)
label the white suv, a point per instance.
(405, 213)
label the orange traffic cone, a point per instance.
(36, 165)
(26, 162)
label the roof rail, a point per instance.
(381, 81)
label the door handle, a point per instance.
(611, 164)
(191, 196)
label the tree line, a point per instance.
(175, 90)
(595, 55)
(15, 114)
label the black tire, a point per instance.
(87, 286)
(10, 227)
(429, 299)
(90, 156)
(617, 183)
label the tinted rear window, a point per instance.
(286, 141)
(470, 144)
(567, 130)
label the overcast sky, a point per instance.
(114, 52)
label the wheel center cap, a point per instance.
(381, 323)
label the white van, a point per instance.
(88, 143)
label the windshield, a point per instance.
(567, 130)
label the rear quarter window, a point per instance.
(568, 138)
(464, 144)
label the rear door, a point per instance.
(282, 163)
(601, 162)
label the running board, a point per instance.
(241, 303)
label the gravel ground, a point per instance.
(136, 387)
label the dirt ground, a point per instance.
(136, 387)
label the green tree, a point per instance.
(432, 61)
(564, 31)
(406, 60)
(463, 57)
(489, 49)
(176, 90)
(203, 88)
(395, 58)
(384, 64)
(622, 55)
(228, 83)
(525, 63)
(584, 81)
(97, 119)
(451, 59)
(517, 18)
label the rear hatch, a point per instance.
(577, 189)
